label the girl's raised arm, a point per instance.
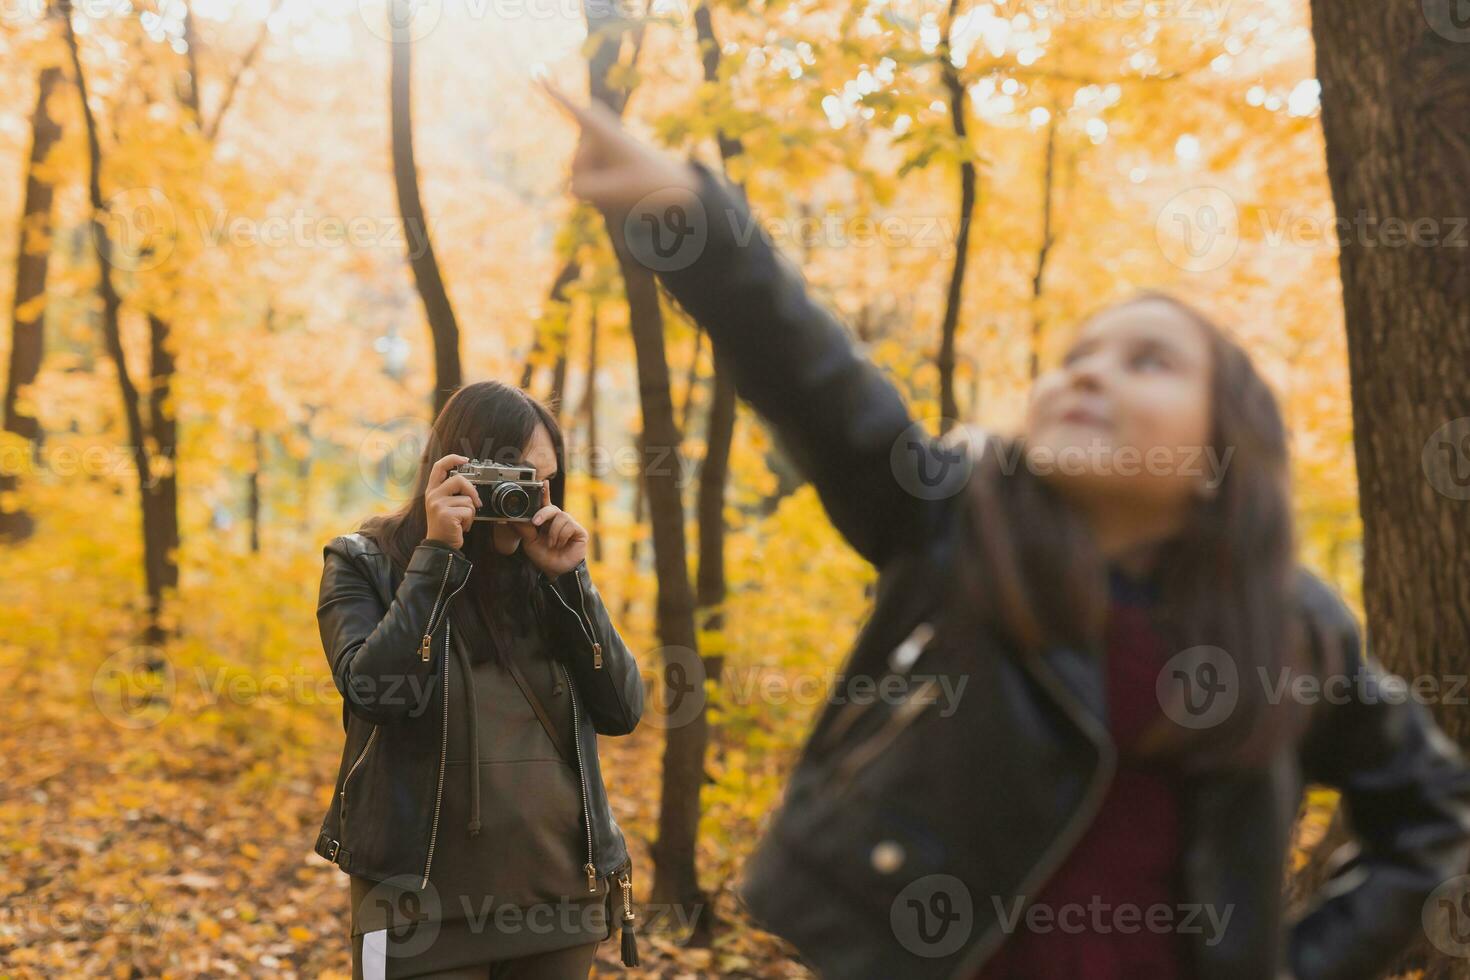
(841, 420)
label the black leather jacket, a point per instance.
(996, 794)
(386, 636)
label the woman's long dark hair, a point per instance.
(1037, 578)
(487, 420)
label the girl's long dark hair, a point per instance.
(1030, 569)
(487, 420)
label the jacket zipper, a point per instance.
(901, 661)
(444, 728)
(424, 646)
(342, 794)
(590, 867)
(596, 647)
(1052, 857)
(926, 696)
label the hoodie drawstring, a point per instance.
(470, 708)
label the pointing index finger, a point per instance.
(594, 116)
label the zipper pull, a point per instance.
(424, 648)
(597, 655)
(591, 877)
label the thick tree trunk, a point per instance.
(161, 497)
(1395, 78)
(28, 309)
(1395, 98)
(675, 876)
(443, 326)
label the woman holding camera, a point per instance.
(1113, 794)
(477, 665)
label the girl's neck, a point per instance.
(1131, 537)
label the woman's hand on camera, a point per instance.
(553, 540)
(612, 169)
(450, 502)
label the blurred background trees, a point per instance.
(229, 331)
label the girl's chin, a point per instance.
(506, 540)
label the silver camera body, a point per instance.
(508, 494)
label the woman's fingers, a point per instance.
(462, 487)
(556, 534)
(441, 468)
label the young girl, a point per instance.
(1113, 599)
(477, 664)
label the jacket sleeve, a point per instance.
(835, 413)
(602, 667)
(376, 654)
(1405, 791)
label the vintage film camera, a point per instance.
(508, 494)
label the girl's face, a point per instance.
(1127, 412)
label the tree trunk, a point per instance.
(714, 475)
(155, 564)
(1048, 239)
(589, 411)
(253, 498)
(161, 498)
(675, 876)
(1395, 78)
(565, 276)
(1395, 97)
(949, 409)
(421, 259)
(28, 309)
(634, 551)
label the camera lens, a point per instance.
(511, 500)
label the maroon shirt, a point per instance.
(1128, 857)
